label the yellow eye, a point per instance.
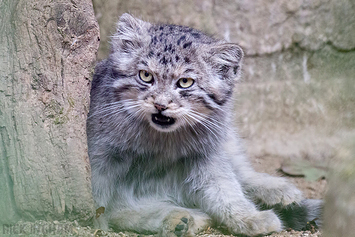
(145, 76)
(185, 82)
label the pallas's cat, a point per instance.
(164, 154)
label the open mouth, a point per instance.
(162, 120)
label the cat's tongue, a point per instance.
(162, 120)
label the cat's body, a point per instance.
(164, 156)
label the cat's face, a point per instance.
(167, 100)
(171, 76)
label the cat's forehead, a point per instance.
(176, 39)
(172, 45)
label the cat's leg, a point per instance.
(218, 193)
(152, 216)
(270, 190)
(102, 188)
(262, 187)
(103, 182)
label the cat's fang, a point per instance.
(162, 120)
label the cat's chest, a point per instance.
(150, 174)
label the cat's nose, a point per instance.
(160, 107)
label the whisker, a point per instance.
(111, 105)
(206, 117)
(206, 121)
(140, 117)
(191, 125)
(126, 119)
(128, 104)
(206, 125)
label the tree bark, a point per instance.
(47, 51)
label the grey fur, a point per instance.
(174, 180)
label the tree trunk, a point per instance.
(47, 50)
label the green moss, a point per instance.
(55, 111)
(60, 120)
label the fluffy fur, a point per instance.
(178, 179)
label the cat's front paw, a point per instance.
(177, 224)
(277, 190)
(260, 223)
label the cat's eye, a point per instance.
(185, 82)
(145, 76)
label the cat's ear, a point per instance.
(131, 33)
(226, 59)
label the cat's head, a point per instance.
(171, 76)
